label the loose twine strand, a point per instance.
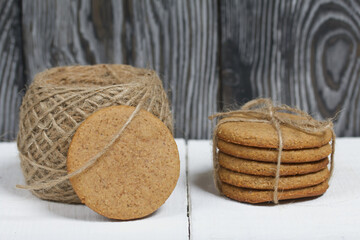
(262, 110)
(145, 94)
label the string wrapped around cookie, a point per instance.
(59, 100)
(264, 111)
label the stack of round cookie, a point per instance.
(247, 158)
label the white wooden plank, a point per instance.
(22, 215)
(335, 215)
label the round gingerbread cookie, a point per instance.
(261, 196)
(137, 173)
(269, 169)
(264, 135)
(268, 183)
(270, 154)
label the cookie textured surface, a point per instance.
(268, 169)
(270, 155)
(264, 135)
(268, 183)
(261, 196)
(136, 175)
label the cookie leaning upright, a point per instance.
(136, 175)
(251, 144)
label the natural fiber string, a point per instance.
(49, 180)
(263, 111)
(89, 163)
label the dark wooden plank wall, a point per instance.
(11, 72)
(211, 54)
(176, 38)
(303, 53)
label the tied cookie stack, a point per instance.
(265, 153)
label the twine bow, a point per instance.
(262, 110)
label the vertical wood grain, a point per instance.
(303, 53)
(176, 38)
(179, 39)
(11, 69)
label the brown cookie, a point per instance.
(260, 196)
(267, 183)
(137, 173)
(264, 135)
(270, 155)
(268, 169)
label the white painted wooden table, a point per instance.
(194, 209)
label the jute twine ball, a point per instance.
(59, 100)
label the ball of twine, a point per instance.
(59, 100)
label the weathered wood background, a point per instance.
(211, 54)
